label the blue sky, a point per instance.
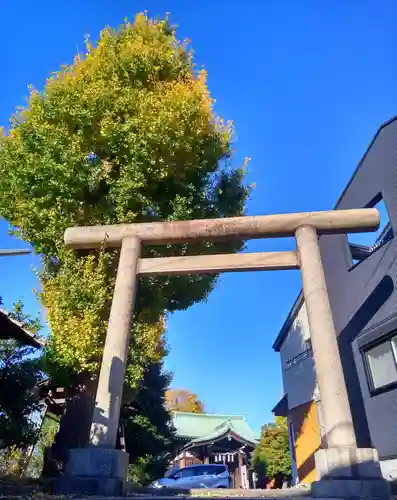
(306, 83)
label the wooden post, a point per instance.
(240, 468)
(106, 415)
(335, 404)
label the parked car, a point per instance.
(197, 476)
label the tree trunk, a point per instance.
(74, 428)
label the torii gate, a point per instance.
(341, 458)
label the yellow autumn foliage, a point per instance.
(126, 133)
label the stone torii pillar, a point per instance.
(338, 420)
(107, 466)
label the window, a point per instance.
(381, 362)
(218, 469)
(187, 472)
(205, 470)
(362, 245)
(209, 470)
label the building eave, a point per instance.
(14, 329)
(213, 439)
(288, 323)
(281, 408)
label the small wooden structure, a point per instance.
(219, 439)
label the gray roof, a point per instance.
(295, 308)
(10, 328)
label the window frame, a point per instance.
(372, 204)
(375, 391)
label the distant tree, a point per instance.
(18, 378)
(32, 325)
(19, 374)
(45, 439)
(183, 400)
(271, 456)
(149, 435)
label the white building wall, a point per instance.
(299, 379)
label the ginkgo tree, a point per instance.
(183, 401)
(126, 133)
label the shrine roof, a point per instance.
(205, 427)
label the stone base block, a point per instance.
(94, 471)
(348, 463)
(349, 473)
(89, 486)
(97, 462)
(366, 489)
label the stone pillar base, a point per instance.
(349, 472)
(342, 463)
(358, 489)
(94, 471)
